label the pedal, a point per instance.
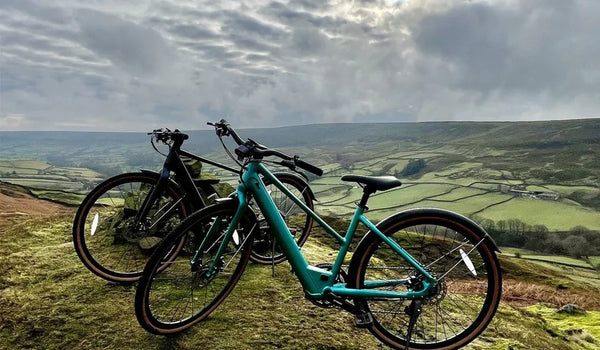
(364, 320)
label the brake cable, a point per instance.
(154, 146)
(242, 166)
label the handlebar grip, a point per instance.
(234, 135)
(309, 167)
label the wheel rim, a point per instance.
(463, 302)
(116, 246)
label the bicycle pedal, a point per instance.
(364, 320)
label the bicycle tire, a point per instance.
(466, 298)
(174, 299)
(299, 223)
(106, 244)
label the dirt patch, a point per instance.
(24, 205)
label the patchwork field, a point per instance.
(538, 173)
(63, 184)
(464, 187)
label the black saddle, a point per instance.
(374, 183)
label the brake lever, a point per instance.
(288, 164)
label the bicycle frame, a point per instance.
(173, 163)
(316, 282)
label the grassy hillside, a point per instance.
(48, 300)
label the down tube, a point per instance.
(309, 276)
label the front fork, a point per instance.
(151, 198)
(211, 238)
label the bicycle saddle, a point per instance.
(374, 183)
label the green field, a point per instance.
(468, 167)
(407, 195)
(19, 165)
(62, 184)
(458, 193)
(556, 215)
(531, 255)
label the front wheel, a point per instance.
(111, 239)
(451, 248)
(171, 296)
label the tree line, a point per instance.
(578, 242)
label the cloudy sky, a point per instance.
(135, 65)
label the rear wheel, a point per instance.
(452, 249)
(172, 296)
(107, 237)
(265, 249)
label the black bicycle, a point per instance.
(122, 220)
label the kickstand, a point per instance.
(414, 310)
(273, 257)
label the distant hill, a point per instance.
(543, 134)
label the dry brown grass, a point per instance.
(23, 205)
(527, 293)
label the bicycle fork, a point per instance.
(212, 239)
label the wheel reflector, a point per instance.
(236, 237)
(468, 262)
(94, 224)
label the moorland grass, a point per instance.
(48, 300)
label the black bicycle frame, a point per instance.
(173, 163)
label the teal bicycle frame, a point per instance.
(317, 282)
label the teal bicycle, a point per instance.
(420, 279)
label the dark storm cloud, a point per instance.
(193, 32)
(530, 47)
(121, 65)
(240, 23)
(39, 10)
(138, 49)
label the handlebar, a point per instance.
(166, 135)
(309, 167)
(246, 149)
(252, 149)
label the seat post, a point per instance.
(367, 191)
